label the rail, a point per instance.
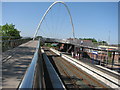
(9, 44)
(54, 77)
(40, 73)
(33, 75)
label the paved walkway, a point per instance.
(15, 62)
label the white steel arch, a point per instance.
(48, 11)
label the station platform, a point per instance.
(110, 78)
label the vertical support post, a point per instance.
(82, 51)
(113, 59)
(107, 58)
(79, 54)
(67, 48)
(100, 57)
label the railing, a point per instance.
(40, 74)
(9, 44)
(54, 79)
(100, 59)
(33, 76)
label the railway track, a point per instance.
(72, 76)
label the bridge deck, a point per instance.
(15, 63)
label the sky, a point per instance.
(97, 20)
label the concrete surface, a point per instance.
(15, 63)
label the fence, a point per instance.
(9, 44)
(110, 61)
(107, 58)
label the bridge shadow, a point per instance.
(75, 83)
(50, 56)
(71, 77)
(69, 86)
(46, 50)
(14, 69)
(54, 65)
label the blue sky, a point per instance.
(91, 19)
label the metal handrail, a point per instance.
(33, 75)
(9, 44)
(55, 80)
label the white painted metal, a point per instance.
(48, 11)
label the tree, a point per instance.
(9, 32)
(0, 30)
(92, 39)
(39, 37)
(103, 43)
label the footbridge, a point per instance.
(69, 65)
